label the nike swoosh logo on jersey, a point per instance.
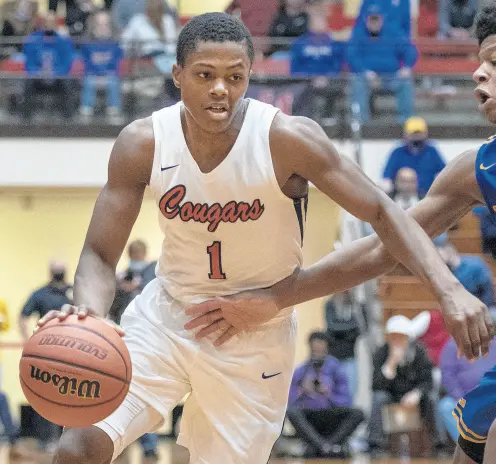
(169, 167)
(485, 168)
(265, 377)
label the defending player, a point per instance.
(468, 181)
(229, 176)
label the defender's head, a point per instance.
(485, 76)
(214, 58)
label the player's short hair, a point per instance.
(212, 27)
(485, 24)
(318, 336)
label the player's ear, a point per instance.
(176, 75)
(251, 72)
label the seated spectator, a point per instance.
(315, 53)
(343, 330)
(319, 405)
(48, 62)
(472, 271)
(458, 377)
(416, 153)
(102, 56)
(125, 10)
(428, 328)
(152, 33)
(290, 21)
(255, 14)
(406, 188)
(381, 56)
(397, 11)
(77, 13)
(402, 374)
(456, 18)
(488, 230)
(19, 20)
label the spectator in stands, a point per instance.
(130, 284)
(315, 53)
(49, 58)
(153, 34)
(77, 13)
(402, 374)
(416, 153)
(488, 230)
(255, 14)
(102, 56)
(19, 20)
(290, 21)
(456, 18)
(381, 56)
(472, 271)
(319, 405)
(125, 10)
(395, 11)
(406, 188)
(342, 314)
(459, 377)
(52, 296)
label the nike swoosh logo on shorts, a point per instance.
(265, 377)
(169, 167)
(485, 168)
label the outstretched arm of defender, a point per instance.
(114, 215)
(454, 193)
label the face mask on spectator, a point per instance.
(58, 276)
(137, 266)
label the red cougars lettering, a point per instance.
(170, 206)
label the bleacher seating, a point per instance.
(402, 293)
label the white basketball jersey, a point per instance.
(231, 229)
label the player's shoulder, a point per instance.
(288, 130)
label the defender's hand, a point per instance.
(81, 311)
(469, 322)
(231, 315)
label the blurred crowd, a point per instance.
(90, 47)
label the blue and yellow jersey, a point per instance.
(485, 171)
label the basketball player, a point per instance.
(468, 181)
(230, 179)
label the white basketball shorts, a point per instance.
(237, 393)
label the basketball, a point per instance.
(75, 372)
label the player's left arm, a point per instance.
(300, 146)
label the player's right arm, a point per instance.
(114, 215)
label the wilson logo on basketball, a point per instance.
(171, 207)
(75, 343)
(68, 386)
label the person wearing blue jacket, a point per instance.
(48, 62)
(102, 56)
(381, 56)
(397, 11)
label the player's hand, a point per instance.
(411, 399)
(228, 316)
(469, 322)
(81, 311)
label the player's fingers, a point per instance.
(66, 311)
(220, 324)
(205, 319)
(475, 336)
(488, 321)
(463, 341)
(116, 327)
(202, 308)
(47, 317)
(226, 336)
(82, 312)
(484, 336)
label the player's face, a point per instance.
(485, 76)
(213, 83)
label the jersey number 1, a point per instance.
(215, 262)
